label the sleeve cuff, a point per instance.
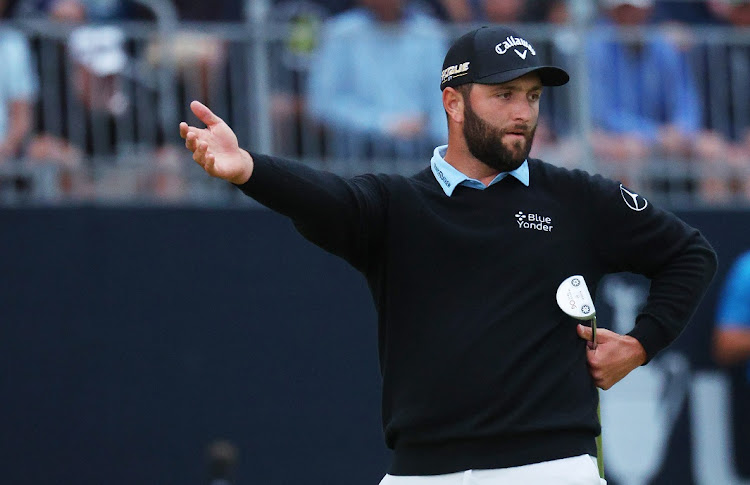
(260, 164)
(651, 336)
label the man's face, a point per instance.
(739, 14)
(386, 10)
(500, 121)
(630, 15)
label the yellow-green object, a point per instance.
(599, 454)
(303, 35)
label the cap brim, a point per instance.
(549, 75)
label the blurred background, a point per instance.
(157, 326)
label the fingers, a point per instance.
(190, 141)
(199, 155)
(614, 358)
(204, 114)
(199, 148)
(209, 165)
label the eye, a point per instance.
(504, 95)
(535, 96)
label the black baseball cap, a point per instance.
(494, 55)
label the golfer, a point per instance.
(485, 380)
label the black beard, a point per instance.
(485, 142)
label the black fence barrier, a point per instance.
(132, 338)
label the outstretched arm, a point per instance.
(342, 216)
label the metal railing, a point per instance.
(109, 101)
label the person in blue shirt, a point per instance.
(644, 98)
(732, 333)
(731, 350)
(364, 54)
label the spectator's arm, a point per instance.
(19, 127)
(731, 344)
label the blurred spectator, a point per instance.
(18, 89)
(110, 123)
(724, 84)
(384, 107)
(644, 99)
(97, 61)
(196, 56)
(732, 333)
(731, 348)
(293, 135)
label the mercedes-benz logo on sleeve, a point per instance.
(633, 200)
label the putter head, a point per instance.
(574, 299)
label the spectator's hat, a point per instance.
(99, 49)
(494, 55)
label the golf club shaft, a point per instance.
(593, 333)
(599, 452)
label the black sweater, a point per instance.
(480, 367)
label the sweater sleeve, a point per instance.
(630, 234)
(343, 216)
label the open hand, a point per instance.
(215, 148)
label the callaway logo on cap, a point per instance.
(494, 55)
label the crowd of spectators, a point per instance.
(668, 106)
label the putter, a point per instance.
(574, 299)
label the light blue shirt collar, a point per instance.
(449, 177)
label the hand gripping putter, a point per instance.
(574, 299)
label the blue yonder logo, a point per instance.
(533, 221)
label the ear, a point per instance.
(453, 102)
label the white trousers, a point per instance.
(577, 470)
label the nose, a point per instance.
(522, 111)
